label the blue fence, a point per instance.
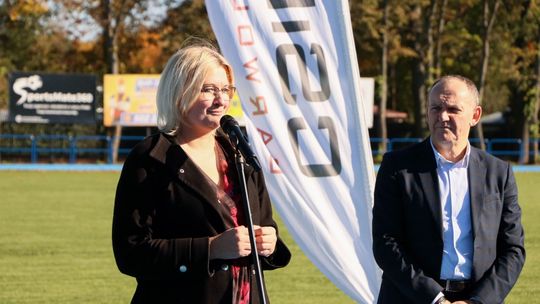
(72, 147)
(100, 147)
(501, 147)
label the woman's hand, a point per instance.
(234, 243)
(265, 238)
(231, 244)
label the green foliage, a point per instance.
(523, 75)
(50, 36)
(19, 31)
(184, 21)
(56, 245)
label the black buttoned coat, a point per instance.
(165, 211)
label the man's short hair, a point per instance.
(470, 85)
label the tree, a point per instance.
(376, 28)
(383, 133)
(115, 17)
(488, 19)
(422, 20)
(523, 82)
(19, 31)
(439, 32)
(535, 126)
(189, 19)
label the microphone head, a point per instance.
(227, 122)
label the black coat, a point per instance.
(408, 234)
(165, 211)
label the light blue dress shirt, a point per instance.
(456, 216)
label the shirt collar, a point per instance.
(462, 163)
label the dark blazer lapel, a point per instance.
(476, 173)
(431, 191)
(190, 174)
(178, 164)
(427, 174)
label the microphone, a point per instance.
(231, 127)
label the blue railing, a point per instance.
(495, 146)
(101, 146)
(72, 147)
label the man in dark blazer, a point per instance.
(446, 219)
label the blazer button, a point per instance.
(182, 268)
(181, 171)
(224, 267)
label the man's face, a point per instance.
(452, 111)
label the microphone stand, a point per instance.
(240, 163)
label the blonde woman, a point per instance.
(178, 224)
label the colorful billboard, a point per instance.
(130, 100)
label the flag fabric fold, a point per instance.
(297, 76)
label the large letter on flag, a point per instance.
(298, 79)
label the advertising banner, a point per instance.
(298, 79)
(52, 98)
(130, 100)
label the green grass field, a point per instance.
(55, 244)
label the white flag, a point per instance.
(297, 76)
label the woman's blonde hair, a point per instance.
(181, 82)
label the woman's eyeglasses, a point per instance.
(210, 91)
